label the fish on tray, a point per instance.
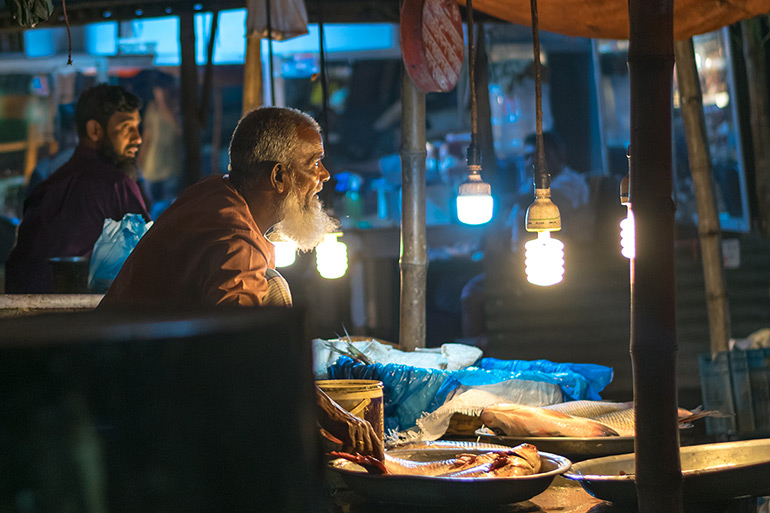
(624, 421)
(520, 420)
(522, 460)
(589, 409)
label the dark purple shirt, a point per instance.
(64, 215)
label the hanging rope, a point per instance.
(69, 35)
(473, 156)
(270, 52)
(542, 178)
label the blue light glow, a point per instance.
(230, 46)
(102, 38)
(39, 43)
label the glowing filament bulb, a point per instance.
(544, 260)
(285, 252)
(331, 257)
(628, 236)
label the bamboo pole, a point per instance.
(653, 326)
(414, 254)
(702, 172)
(755, 53)
(252, 74)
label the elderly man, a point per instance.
(208, 248)
(64, 215)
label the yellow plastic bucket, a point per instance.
(361, 397)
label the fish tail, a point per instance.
(699, 413)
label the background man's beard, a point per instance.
(126, 165)
(305, 225)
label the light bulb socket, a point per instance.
(625, 199)
(543, 214)
(474, 185)
(473, 154)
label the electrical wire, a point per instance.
(542, 178)
(473, 156)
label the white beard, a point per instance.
(305, 225)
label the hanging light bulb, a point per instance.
(544, 257)
(627, 229)
(544, 260)
(331, 257)
(285, 252)
(285, 249)
(474, 201)
(474, 197)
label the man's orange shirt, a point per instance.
(204, 250)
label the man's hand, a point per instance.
(356, 434)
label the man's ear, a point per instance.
(278, 178)
(94, 130)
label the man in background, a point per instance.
(64, 215)
(571, 194)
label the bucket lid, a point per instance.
(349, 384)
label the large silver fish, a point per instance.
(588, 409)
(624, 421)
(519, 420)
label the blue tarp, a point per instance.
(411, 391)
(577, 380)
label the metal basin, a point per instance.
(445, 491)
(710, 472)
(576, 449)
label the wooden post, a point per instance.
(188, 74)
(653, 326)
(755, 53)
(702, 172)
(252, 74)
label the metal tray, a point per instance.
(710, 473)
(576, 449)
(428, 490)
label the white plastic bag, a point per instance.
(111, 249)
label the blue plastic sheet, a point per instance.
(576, 380)
(117, 240)
(409, 392)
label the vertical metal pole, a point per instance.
(653, 326)
(414, 254)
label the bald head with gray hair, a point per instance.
(264, 137)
